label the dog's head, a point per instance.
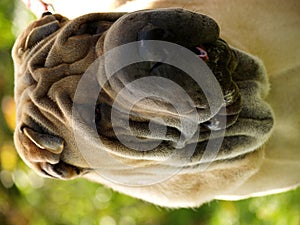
(149, 119)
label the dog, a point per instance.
(156, 148)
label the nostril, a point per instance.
(151, 32)
(149, 50)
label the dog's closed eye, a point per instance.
(48, 142)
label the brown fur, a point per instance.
(264, 29)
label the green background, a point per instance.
(26, 198)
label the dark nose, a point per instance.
(178, 26)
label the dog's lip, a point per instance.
(184, 165)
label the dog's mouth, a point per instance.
(241, 77)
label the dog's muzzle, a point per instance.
(53, 55)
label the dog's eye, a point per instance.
(49, 142)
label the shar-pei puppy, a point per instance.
(154, 104)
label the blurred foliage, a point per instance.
(26, 198)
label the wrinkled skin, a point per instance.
(49, 66)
